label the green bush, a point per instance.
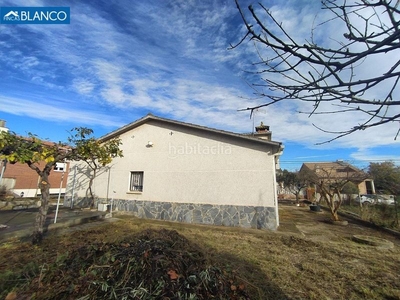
(3, 191)
(379, 214)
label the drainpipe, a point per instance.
(3, 168)
(108, 182)
(59, 192)
(73, 188)
(275, 162)
(276, 199)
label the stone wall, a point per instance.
(19, 204)
(223, 215)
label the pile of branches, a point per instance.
(156, 264)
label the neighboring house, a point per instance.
(340, 170)
(23, 181)
(183, 172)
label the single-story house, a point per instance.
(171, 170)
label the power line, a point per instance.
(347, 160)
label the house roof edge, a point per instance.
(150, 117)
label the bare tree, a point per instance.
(307, 71)
(330, 180)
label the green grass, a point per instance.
(271, 265)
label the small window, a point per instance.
(59, 167)
(136, 183)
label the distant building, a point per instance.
(23, 181)
(340, 170)
(3, 126)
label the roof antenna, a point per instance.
(253, 116)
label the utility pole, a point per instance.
(59, 193)
(3, 168)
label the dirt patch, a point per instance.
(373, 241)
(299, 243)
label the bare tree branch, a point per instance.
(307, 72)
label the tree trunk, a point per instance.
(90, 188)
(335, 216)
(42, 214)
(89, 192)
(332, 208)
(330, 201)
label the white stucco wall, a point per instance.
(185, 165)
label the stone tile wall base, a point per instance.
(224, 215)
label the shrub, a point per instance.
(3, 191)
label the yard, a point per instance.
(307, 258)
(379, 214)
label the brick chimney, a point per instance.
(262, 132)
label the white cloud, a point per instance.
(169, 58)
(52, 112)
(369, 155)
(83, 87)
